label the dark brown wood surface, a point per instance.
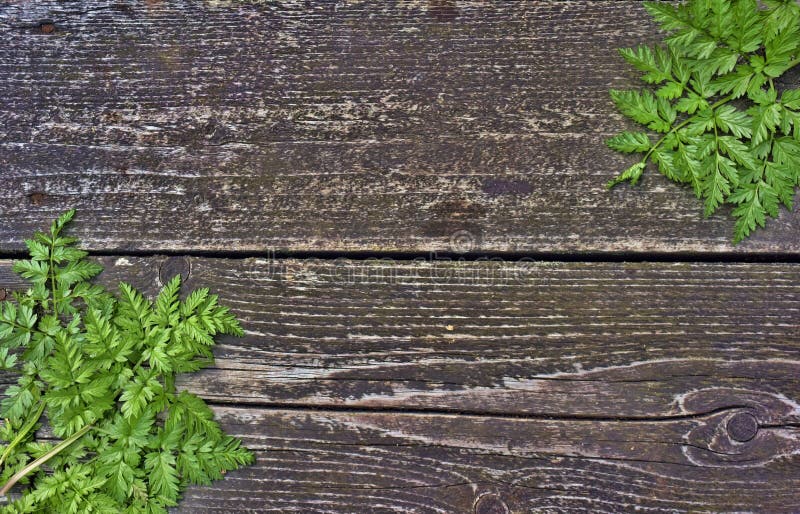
(550, 387)
(334, 125)
(346, 129)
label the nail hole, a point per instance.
(122, 6)
(443, 10)
(742, 427)
(36, 198)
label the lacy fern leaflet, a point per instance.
(102, 368)
(721, 124)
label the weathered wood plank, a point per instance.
(351, 461)
(631, 340)
(322, 461)
(403, 125)
(379, 386)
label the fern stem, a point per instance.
(15, 324)
(23, 432)
(44, 458)
(53, 278)
(49, 455)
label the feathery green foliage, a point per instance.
(721, 124)
(102, 369)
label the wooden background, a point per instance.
(403, 201)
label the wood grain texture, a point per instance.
(322, 461)
(486, 386)
(632, 340)
(407, 386)
(334, 125)
(329, 461)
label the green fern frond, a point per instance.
(718, 51)
(102, 369)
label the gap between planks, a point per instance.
(451, 256)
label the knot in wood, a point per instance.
(175, 266)
(210, 127)
(742, 427)
(490, 504)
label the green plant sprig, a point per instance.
(723, 127)
(102, 369)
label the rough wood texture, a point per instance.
(380, 386)
(473, 386)
(321, 461)
(333, 125)
(593, 339)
